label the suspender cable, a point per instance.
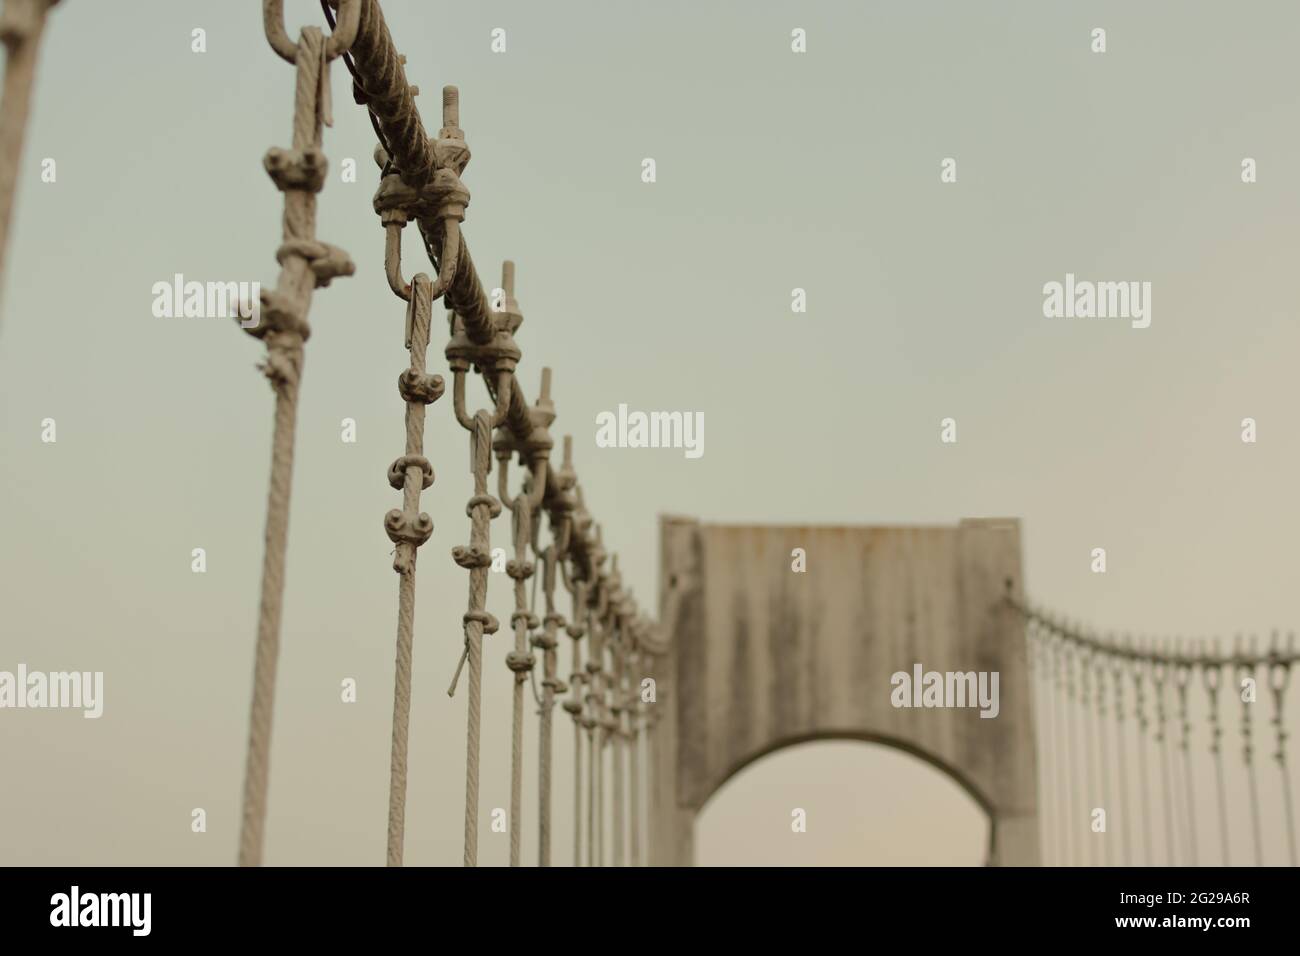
(1102, 756)
(1062, 754)
(1121, 745)
(596, 603)
(1089, 769)
(1139, 675)
(1159, 665)
(1038, 670)
(408, 528)
(476, 558)
(1246, 669)
(1279, 677)
(421, 180)
(535, 452)
(573, 706)
(618, 737)
(1182, 675)
(634, 730)
(305, 264)
(1212, 676)
(561, 511)
(1071, 754)
(1158, 678)
(519, 661)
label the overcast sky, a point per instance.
(775, 171)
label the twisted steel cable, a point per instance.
(1086, 718)
(1102, 755)
(409, 528)
(305, 264)
(1158, 680)
(1043, 700)
(1071, 751)
(1182, 675)
(1138, 686)
(22, 22)
(1279, 678)
(1211, 677)
(1246, 670)
(1162, 664)
(1062, 757)
(1121, 780)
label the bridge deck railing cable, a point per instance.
(1080, 782)
(420, 181)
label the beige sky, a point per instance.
(775, 171)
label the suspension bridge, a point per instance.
(1090, 759)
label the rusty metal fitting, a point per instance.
(581, 519)
(541, 414)
(596, 554)
(18, 21)
(503, 443)
(402, 527)
(521, 571)
(296, 169)
(537, 447)
(575, 631)
(397, 471)
(421, 388)
(614, 585)
(450, 151)
(325, 261)
(490, 624)
(280, 313)
(499, 355)
(565, 503)
(443, 197)
(520, 663)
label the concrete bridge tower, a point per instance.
(758, 657)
